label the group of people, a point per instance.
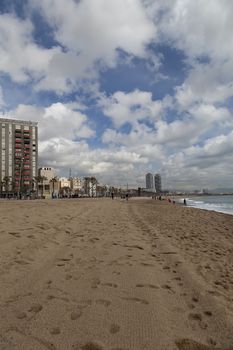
(125, 196)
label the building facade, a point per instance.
(77, 185)
(46, 174)
(158, 183)
(149, 182)
(18, 155)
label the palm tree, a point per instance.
(1, 185)
(86, 185)
(43, 178)
(37, 180)
(40, 180)
(93, 183)
(53, 181)
(6, 181)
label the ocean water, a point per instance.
(222, 204)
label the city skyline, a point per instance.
(148, 85)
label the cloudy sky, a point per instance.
(124, 87)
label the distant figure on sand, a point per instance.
(112, 194)
(185, 201)
(127, 196)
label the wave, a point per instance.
(226, 208)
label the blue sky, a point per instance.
(120, 88)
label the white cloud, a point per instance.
(2, 102)
(89, 35)
(62, 130)
(109, 165)
(20, 57)
(92, 33)
(198, 27)
(57, 119)
(131, 107)
(203, 31)
(204, 166)
(96, 28)
(206, 83)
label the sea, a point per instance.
(220, 203)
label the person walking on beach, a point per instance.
(112, 195)
(185, 203)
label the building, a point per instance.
(77, 185)
(158, 183)
(149, 182)
(18, 156)
(90, 186)
(46, 174)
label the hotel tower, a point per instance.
(18, 155)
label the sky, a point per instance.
(122, 88)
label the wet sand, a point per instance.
(97, 274)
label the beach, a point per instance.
(103, 274)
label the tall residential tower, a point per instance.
(149, 182)
(18, 155)
(158, 183)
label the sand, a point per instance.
(102, 274)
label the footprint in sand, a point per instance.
(64, 259)
(188, 344)
(191, 306)
(195, 317)
(195, 299)
(88, 346)
(68, 277)
(137, 300)
(113, 285)
(35, 308)
(147, 285)
(55, 331)
(114, 328)
(147, 264)
(15, 234)
(75, 314)
(21, 315)
(95, 283)
(208, 313)
(177, 278)
(167, 287)
(104, 302)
